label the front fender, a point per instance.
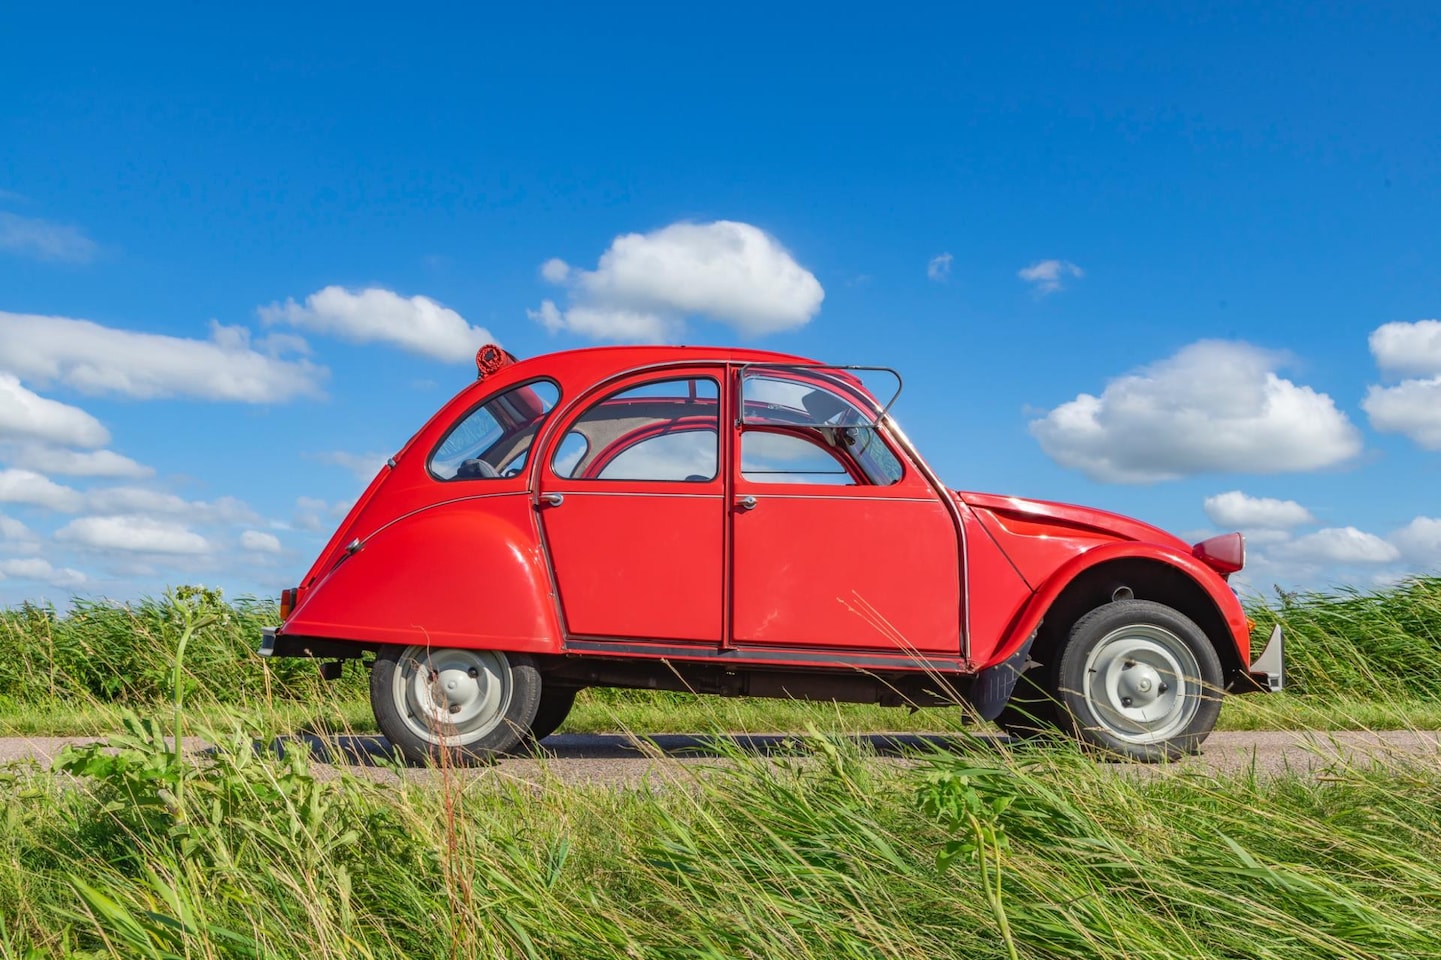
(466, 573)
(1227, 607)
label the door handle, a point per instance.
(746, 503)
(552, 499)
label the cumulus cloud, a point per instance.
(1048, 276)
(1215, 406)
(364, 465)
(35, 568)
(939, 267)
(646, 285)
(1340, 545)
(1411, 407)
(257, 541)
(13, 531)
(74, 463)
(1420, 540)
(27, 486)
(1408, 348)
(146, 502)
(1236, 509)
(96, 359)
(44, 240)
(376, 315)
(27, 416)
(133, 534)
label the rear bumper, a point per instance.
(276, 644)
(1268, 671)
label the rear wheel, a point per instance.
(471, 704)
(555, 705)
(1139, 679)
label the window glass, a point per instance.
(831, 421)
(665, 430)
(494, 438)
(786, 458)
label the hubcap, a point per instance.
(1143, 684)
(452, 697)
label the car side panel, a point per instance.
(997, 591)
(463, 573)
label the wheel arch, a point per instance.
(1083, 586)
(459, 574)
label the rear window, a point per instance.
(493, 440)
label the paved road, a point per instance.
(618, 760)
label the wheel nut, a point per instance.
(1128, 664)
(455, 708)
(1125, 701)
(1164, 687)
(473, 673)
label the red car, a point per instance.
(745, 523)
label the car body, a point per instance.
(741, 522)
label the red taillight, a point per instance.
(287, 603)
(1225, 554)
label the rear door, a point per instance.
(633, 510)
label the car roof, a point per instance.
(601, 361)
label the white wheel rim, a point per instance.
(1143, 684)
(452, 697)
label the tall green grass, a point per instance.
(823, 853)
(1353, 658)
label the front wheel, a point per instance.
(472, 704)
(1140, 680)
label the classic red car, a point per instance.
(745, 523)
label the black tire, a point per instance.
(1139, 680)
(555, 704)
(465, 705)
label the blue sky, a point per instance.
(1181, 264)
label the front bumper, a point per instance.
(1268, 671)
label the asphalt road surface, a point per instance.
(619, 760)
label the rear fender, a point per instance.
(1221, 616)
(458, 574)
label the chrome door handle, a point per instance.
(552, 499)
(746, 503)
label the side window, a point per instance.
(786, 458)
(822, 423)
(493, 439)
(666, 430)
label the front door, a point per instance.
(633, 508)
(839, 541)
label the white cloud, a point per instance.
(97, 359)
(364, 465)
(35, 568)
(144, 501)
(72, 463)
(44, 240)
(1343, 545)
(939, 267)
(1236, 509)
(314, 514)
(646, 285)
(12, 530)
(1048, 276)
(28, 416)
(375, 315)
(1215, 406)
(133, 534)
(1408, 348)
(1420, 540)
(1412, 407)
(27, 486)
(259, 542)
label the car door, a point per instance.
(838, 541)
(633, 510)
